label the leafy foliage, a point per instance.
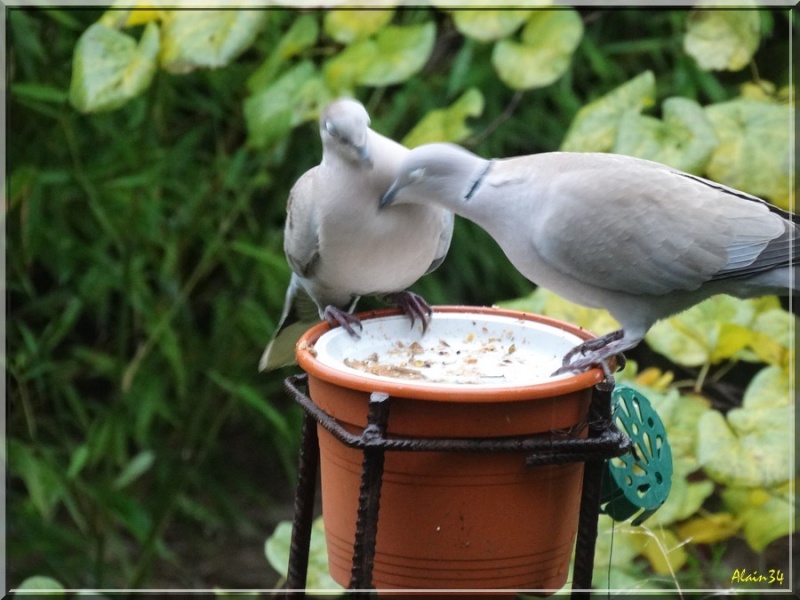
(277, 549)
(150, 157)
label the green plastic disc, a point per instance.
(637, 483)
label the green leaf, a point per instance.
(44, 485)
(394, 55)
(447, 124)
(294, 98)
(78, 461)
(137, 467)
(594, 128)
(207, 38)
(722, 39)
(766, 515)
(348, 26)
(684, 500)
(126, 510)
(548, 41)
(303, 34)
(755, 149)
(749, 448)
(40, 583)
(276, 549)
(251, 396)
(276, 262)
(685, 139)
(488, 25)
(40, 92)
(109, 68)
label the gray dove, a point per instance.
(341, 246)
(635, 237)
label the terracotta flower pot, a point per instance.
(453, 520)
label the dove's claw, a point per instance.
(596, 352)
(414, 306)
(592, 345)
(336, 317)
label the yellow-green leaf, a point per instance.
(766, 514)
(348, 26)
(722, 39)
(685, 139)
(664, 551)
(654, 378)
(447, 124)
(617, 547)
(548, 41)
(755, 148)
(109, 68)
(487, 25)
(594, 128)
(207, 38)
(707, 332)
(544, 302)
(392, 56)
(709, 529)
(775, 329)
(770, 388)
(751, 447)
(732, 338)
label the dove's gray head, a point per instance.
(445, 173)
(343, 127)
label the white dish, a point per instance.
(472, 349)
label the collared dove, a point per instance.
(341, 246)
(635, 237)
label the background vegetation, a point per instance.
(150, 154)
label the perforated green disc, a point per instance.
(637, 483)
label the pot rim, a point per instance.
(455, 393)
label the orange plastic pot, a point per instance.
(455, 520)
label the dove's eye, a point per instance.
(331, 129)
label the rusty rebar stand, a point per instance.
(603, 441)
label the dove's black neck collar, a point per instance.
(478, 181)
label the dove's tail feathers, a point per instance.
(782, 281)
(299, 314)
(280, 350)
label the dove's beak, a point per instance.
(388, 196)
(363, 155)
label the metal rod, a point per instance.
(599, 421)
(550, 445)
(308, 464)
(369, 493)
